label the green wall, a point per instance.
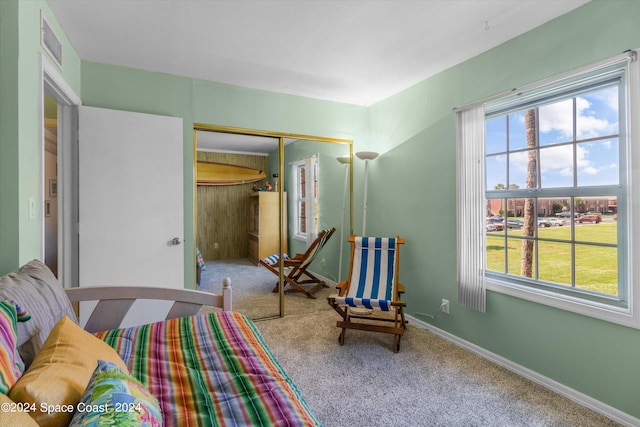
(330, 201)
(198, 101)
(20, 146)
(415, 183)
(9, 236)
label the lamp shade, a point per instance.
(366, 155)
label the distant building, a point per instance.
(551, 206)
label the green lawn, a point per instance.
(596, 266)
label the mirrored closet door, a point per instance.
(259, 194)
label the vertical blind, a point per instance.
(470, 197)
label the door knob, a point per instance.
(176, 241)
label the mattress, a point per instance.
(211, 370)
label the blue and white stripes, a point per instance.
(372, 276)
(273, 259)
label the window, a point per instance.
(305, 193)
(556, 222)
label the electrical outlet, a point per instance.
(445, 306)
(216, 246)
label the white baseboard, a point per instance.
(580, 398)
(327, 280)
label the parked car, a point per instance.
(544, 222)
(556, 222)
(550, 222)
(494, 226)
(515, 223)
(567, 214)
(594, 219)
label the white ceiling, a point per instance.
(349, 51)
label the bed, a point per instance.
(196, 369)
(181, 360)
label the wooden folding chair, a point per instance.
(298, 277)
(369, 299)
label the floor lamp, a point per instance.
(366, 156)
(345, 161)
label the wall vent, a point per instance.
(51, 43)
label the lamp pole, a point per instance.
(345, 161)
(366, 156)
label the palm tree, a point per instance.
(528, 229)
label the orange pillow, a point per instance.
(15, 414)
(61, 371)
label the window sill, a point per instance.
(624, 317)
(299, 237)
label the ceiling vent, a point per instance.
(51, 43)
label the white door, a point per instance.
(130, 199)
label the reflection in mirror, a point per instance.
(235, 218)
(316, 183)
(237, 222)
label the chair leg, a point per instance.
(396, 343)
(296, 284)
(294, 288)
(399, 322)
(345, 318)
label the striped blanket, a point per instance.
(209, 370)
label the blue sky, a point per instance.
(596, 162)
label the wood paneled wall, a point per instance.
(223, 210)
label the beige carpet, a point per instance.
(430, 382)
(252, 287)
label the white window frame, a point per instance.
(311, 167)
(629, 316)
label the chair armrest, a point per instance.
(399, 292)
(114, 302)
(291, 262)
(342, 287)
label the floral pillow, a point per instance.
(11, 365)
(113, 397)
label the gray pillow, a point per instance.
(38, 291)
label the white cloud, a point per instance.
(558, 117)
(557, 160)
(596, 115)
(590, 170)
(609, 97)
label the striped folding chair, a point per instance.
(298, 277)
(370, 297)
